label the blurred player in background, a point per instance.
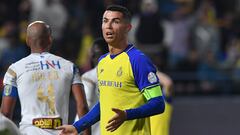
(7, 127)
(160, 124)
(43, 83)
(89, 78)
(128, 85)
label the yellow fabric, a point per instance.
(86, 45)
(118, 90)
(23, 34)
(160, 124)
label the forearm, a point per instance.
(9, 99)
(7, 107)
(81, 111)
(81, 103)
(152, 107)
(89, 119)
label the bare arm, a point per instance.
(81, 103)
(166, 82)
(8, 105)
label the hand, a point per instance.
(116, 121)
(67, 130)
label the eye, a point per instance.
(104, 20)
(116, 21)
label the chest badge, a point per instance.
(101, 70)
(119, 72)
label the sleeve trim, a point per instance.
(149, 87)
(11, 72)
(10, 91)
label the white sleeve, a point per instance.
(89, 87)
(76, 75)
(10, 77)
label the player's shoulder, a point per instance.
(53, 56)
(90, 76)
(135, 54)
(92, 72)
(20, 62)
(59, 58)
(102, 57)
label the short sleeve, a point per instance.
(10, 77)
(76, 75)
(143, 70)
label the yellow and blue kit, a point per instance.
(126, 81)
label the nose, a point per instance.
(108, 25)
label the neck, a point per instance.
(38, 50)
(117, 48)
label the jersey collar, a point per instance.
(112, 56)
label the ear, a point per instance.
(28, 42)
(129, 27)
(50, 40)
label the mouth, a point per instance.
(109, 34)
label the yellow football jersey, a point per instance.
(160, 124)
(121, 79)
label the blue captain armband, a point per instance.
(10, 91)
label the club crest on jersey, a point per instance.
(152, 77)
(53, 64)
(119, 72)
(101, 70)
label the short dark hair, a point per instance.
(126, 13)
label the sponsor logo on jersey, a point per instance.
(47, 123)
(152, 77)
(53, 64)
(110, 83)
(32, 66)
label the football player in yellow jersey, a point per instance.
(160, 124)
(129, 88)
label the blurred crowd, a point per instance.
(196, 42)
